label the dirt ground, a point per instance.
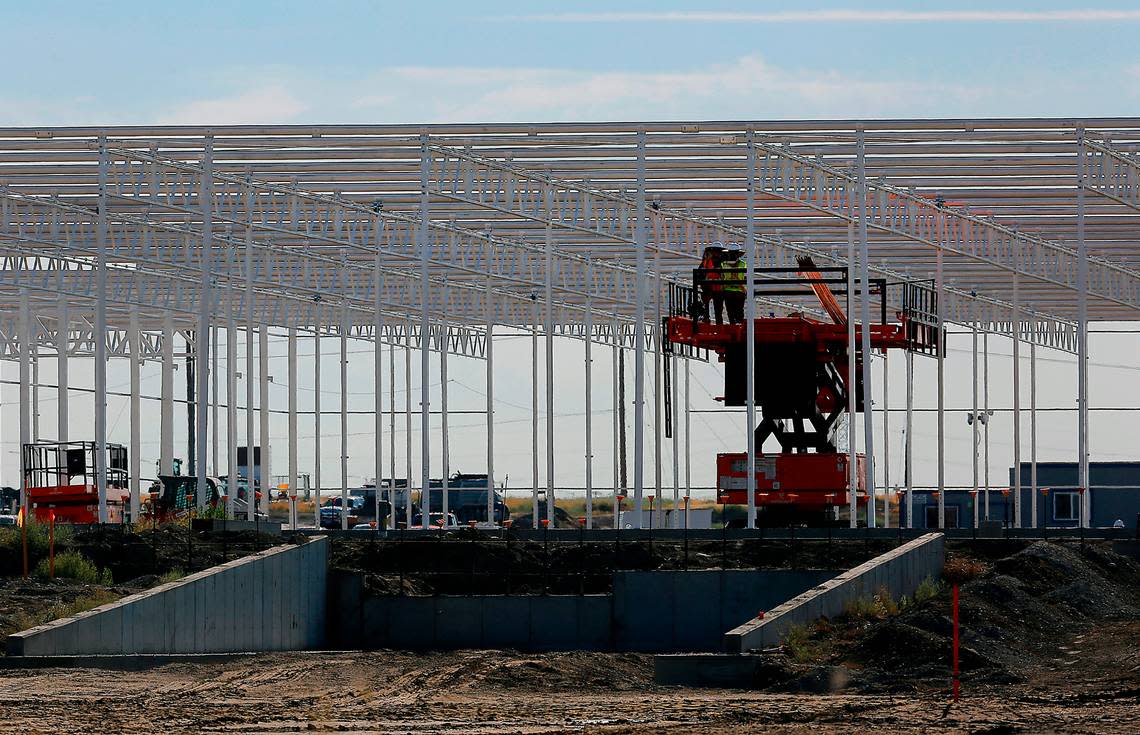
(1050, 634)
(1094, 688)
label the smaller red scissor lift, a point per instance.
(801, 383)
(62, 477)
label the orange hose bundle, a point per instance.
(822, 292)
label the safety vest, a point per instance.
(734, 275)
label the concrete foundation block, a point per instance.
(719, 670)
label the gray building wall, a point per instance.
(272, 601)
(1114, 489)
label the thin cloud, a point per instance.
(746, 87)
(840, 16)
(267, 104)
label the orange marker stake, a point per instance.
(51, 544)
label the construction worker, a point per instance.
(709, 280)
(733, 276)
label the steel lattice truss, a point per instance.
(383, 231)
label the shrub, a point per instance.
(73, 565)
(877, 607)
(216, 511)
(172, 576)
(928, 589)
(799, 644)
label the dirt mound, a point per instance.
(467, 670)
(1012, 618)
(133, 552)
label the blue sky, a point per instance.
(354, 61)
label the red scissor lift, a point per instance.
(62, 477)
(801, 383)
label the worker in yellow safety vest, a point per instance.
(732, 282)
(710, 283)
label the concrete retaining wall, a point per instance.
(899, 571)
(531, 623)
(648, 611)
(690, 611)
(272, 601)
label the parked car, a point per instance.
(330, 515)
(436, 520)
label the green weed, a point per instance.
(876, 607)
(73, 565)
(928, 589)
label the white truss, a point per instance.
(578, 207)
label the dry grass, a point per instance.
(960, 570)
(879, 606)
(24, 620)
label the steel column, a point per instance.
(938, 284)
(548, 295)
(294, 479)
(250, 439)
(534, 417)
(36, 435)
(614, 401)
(134, 460)
(589, 400)
(344, 418)
(1016, 331)
(392, 437)
(425, 337)
(865, 331)
(408, 426)
(267, 486)
(986, 425)
(640, 245)
(688, 443)
(908, 447)
(886, 446)
(316, 429)
(749, 326)
(166, 410)
(101, 339)
(974, 421)
(1033, 433)
(378, 383)
(676, 442)
(658, 506)
(62, 346)
(215, 466)
(27, 345)
(1082, 338)
(231, 405)
(852, 393)
(445, 440)
(489, 352)
(202, 337)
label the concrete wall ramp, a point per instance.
(271, 601)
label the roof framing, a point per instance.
(340, 227)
